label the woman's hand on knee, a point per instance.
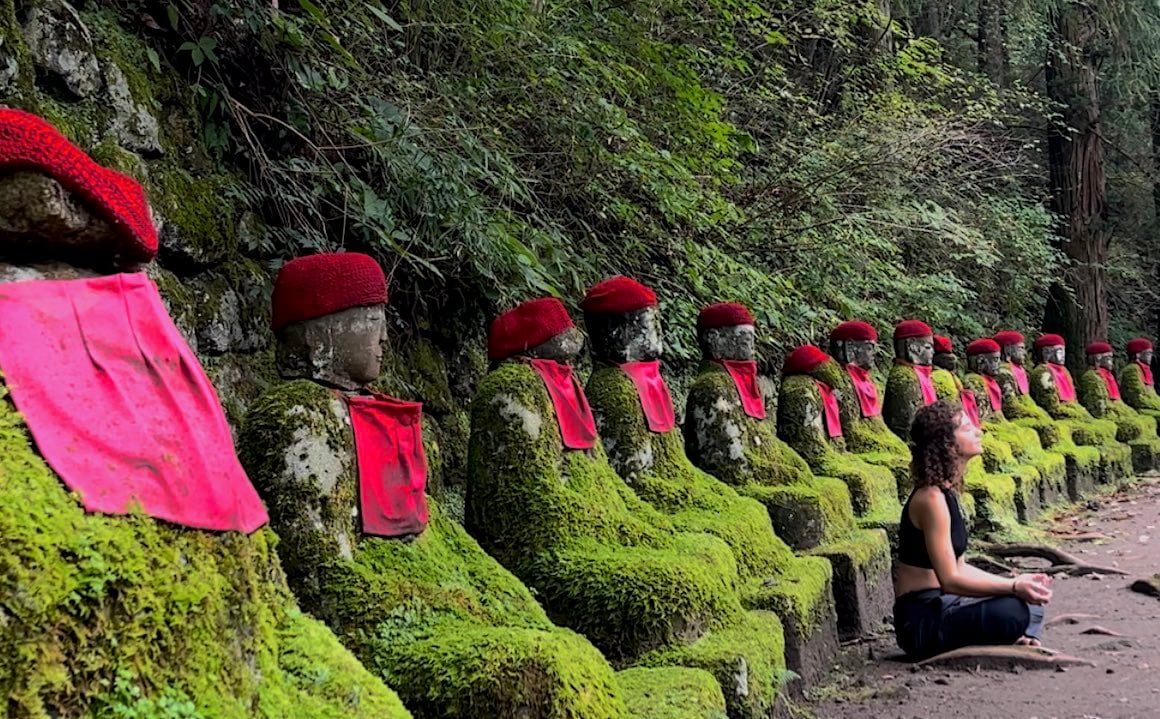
(1033, 588)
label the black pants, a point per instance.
(929, 622)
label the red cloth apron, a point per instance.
(970, 406)
(830, 405)
(866, 390)
(1110, 383)
(994, 392)
(577, 426)
(1063, 383)
(392, 466)
(922, 372)
(653, 393)
(1147, 372)
(118, 404)
(744, 374)
(1020, 378)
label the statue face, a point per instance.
(1015, 354)
(1056, 354)
(946, 360)
(343, 349)
(986, 363)
(1104, 359)
(564, 347)
(632, 337)
(855, 352)
(915, 350)
(730, 343)
(1145, 357)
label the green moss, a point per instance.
(167, 611)
(205, 209)
(12, 37)
(435, 616)
(1135, 393)
(428, 375)
(672, 693)
(869, 437)
(994, 495)
(902, 399)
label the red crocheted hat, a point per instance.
(982, 346)
(617, 295)
(526, 325)
(1048, 341)
(854, 330)
(724, 314)
(29, 143)
(943, 345)
(1138, 345)
(803, 360)
(1098, 348)
(1009, 337)
(319, 285)
(908, 329)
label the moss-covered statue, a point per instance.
(908, 386)
(634, 416)
(544, 500)
(1137, 387)
(809, 420)
(1099, 392)
(137, 573)
(344, 473)
(854, 345)
(1053, 389)
(728, 435)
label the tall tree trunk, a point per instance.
(928, 19)
(1075, 155)
(992, 40)
(1154, 119)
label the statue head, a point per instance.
(1011, 346)
(536, 329)
(623, 321)
(727, 331)
(329, 319)
(1140, 350)
(1051, 349)
(983, 357)
(854, 342)
(914, 342)
(944, 354)
(1099, 354)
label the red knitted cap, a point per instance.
(908, 329)
(854, 330)
(724, 314)
(982, 346)
(1048, 341)
(318, 285)
(616, 296)
(1009, 337)
(943, 345)
(1098, 348)
(29, 143)
(527, 325)
(1138, 345)
(803, 360)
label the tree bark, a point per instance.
(1154, 118)
(991, 40)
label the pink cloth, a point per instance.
(922, 372)
(1146, 371)
(866, 390)
(118, 404)
(994, 392)
(830, 406)
(1110, 383)
(1020, 378)
(744, 374)
(392, 466)
(970, 406)
(1063, 383)
(654, 395)
(577, 425)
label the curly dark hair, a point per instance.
(934, 458)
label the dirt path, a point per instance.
(1125, 683)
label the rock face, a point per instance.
(62, 47)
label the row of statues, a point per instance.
(613, 562)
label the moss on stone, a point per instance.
(1135, 393)
(672, 693)
(204, 210)
(869, 437)
(1133, 428)
(994, 494)
(902, 400)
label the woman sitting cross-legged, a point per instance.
(941, 602)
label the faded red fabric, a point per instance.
(392, 466)
(1008, 337)
(27, 142)
(994, 392)
(970, 406)
(1063, 383)
(527, 325)
(616, 296)
(654, 395)
(1138, 345)
(922, 372)
(1110, 383)
(854, 330)
(577, 425)
(982, 346)
(909, 329)
(724, 314)
(1147, 372)
(1048, 340)
(1098, 348)
(318, 285)
(866, 390)
(830, 406)
(118, 404)
(744, 374)
(943, 345)
(1021, 381)
(803, 360)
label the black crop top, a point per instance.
(912, 543)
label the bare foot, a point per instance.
(1028, 642)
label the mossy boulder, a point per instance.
(672, 693)
(1135, 393)
(1133, 428)
(118, 615)
(602, 560)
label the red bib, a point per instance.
(1110, 383)
(118, 404)
(577, 426)
(929, 396)
(1020, 378)
(392, 466)
(970, 406)
(866, 390)
(1146, 371)
(654, 395)
(1063, 383)
(994, 392)
(830, 404)
(744, 374)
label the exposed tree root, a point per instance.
(1003, 658)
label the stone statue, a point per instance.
(944, 354)
(182, 601)
(1137, 386)
(728, 435)
(635, 419)
(544, 500)
(908, 386)
(1099, 392)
